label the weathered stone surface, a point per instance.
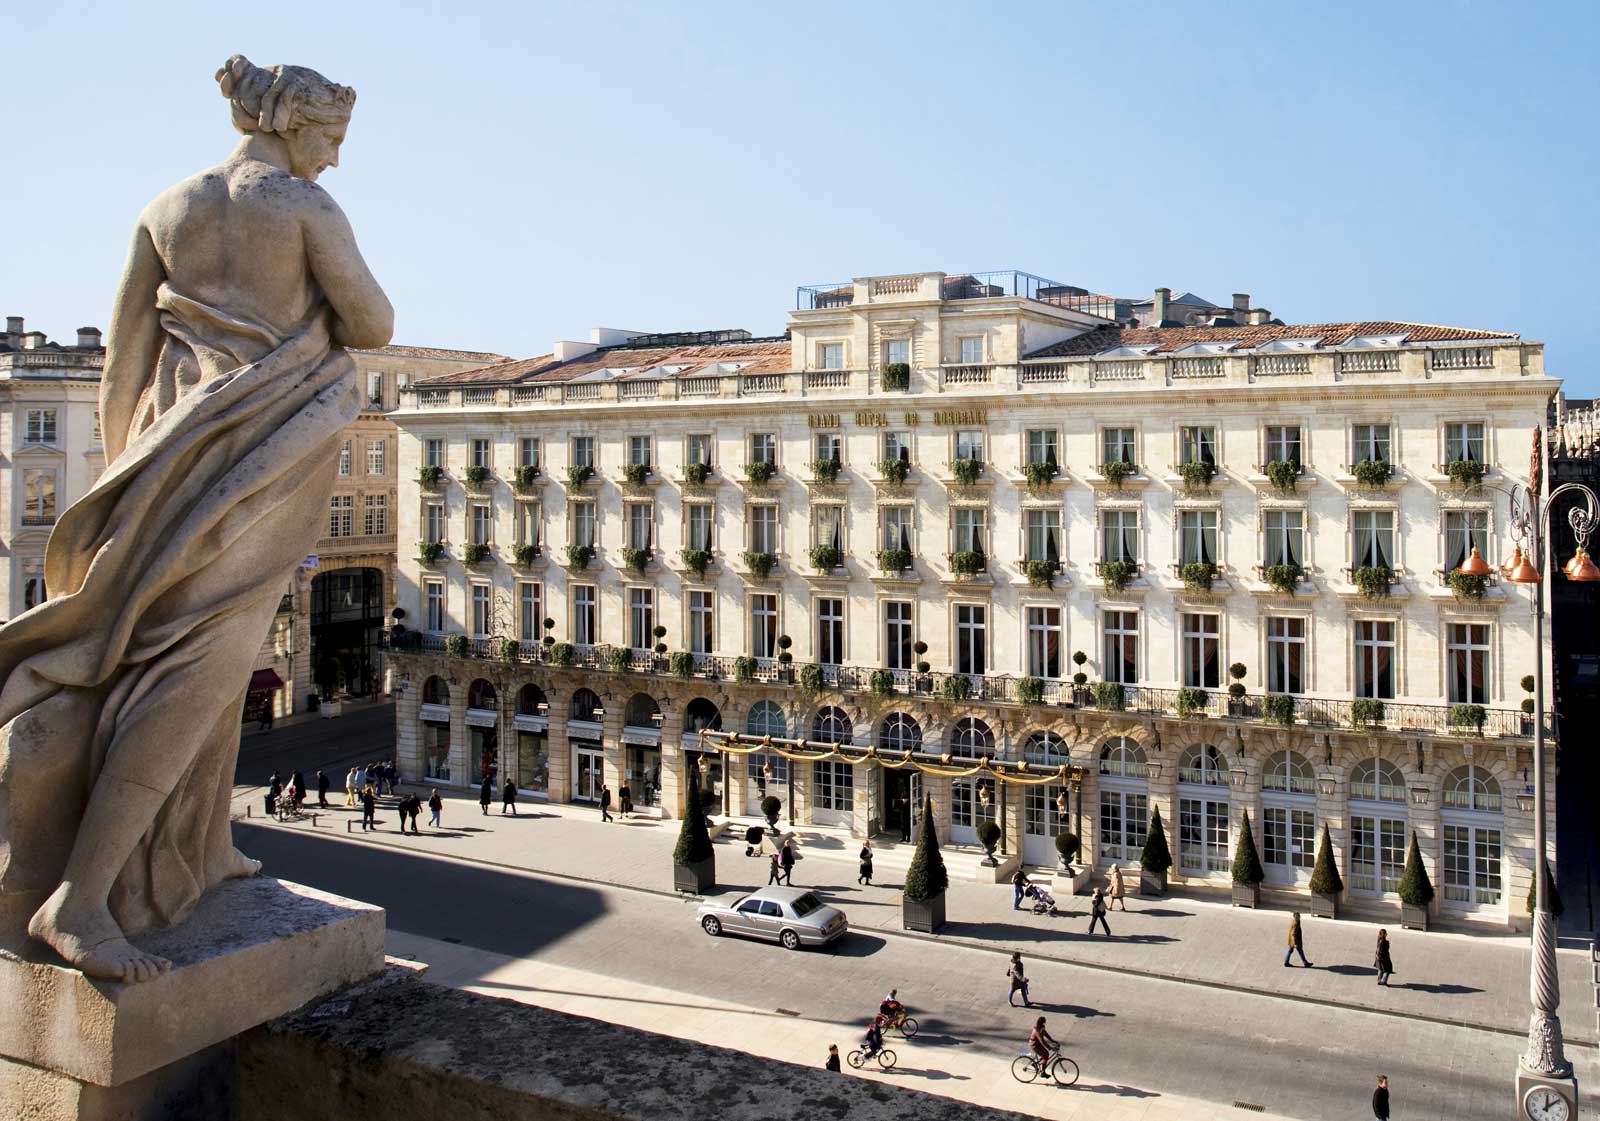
(401, 1047)
(252, 950)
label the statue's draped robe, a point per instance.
(165, 577)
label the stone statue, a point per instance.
(225, 391)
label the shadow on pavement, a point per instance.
(1082, 1012)
(1351, 970)
(1160, 913)
(719, 1008)
(857, 945)
(1111, 1088)
(931, 1075)
(1441, 990)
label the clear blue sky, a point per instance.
(518, 173)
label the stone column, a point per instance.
(462, 769)
(1333, 810)
(800, 773)
(1088, 828)
(506, 732)
(674, 791)
(560, 749)
(738, 780)
(939, 789)
(1424, 793)
(408, 730)
(613, 767)
(1011, 823)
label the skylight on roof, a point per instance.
(1383, 342)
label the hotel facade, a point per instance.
(1206, 565)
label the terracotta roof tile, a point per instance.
(761, 358)
(1331, 334)
(439, 352)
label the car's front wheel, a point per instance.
(790, 940)
(711, 926)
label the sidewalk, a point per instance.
(1476, 980)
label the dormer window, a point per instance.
(830, 356)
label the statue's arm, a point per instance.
(364, 316)
(134, 345)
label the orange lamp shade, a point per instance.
(1475, 565)
(1582, 568)
(1523, 572)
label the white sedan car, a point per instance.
(791, 916)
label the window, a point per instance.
(897, 640)
(641, 525)
(1288, 773)
(1043, 534)
(763, 529)
(969, 528)
(641, 618)
(41, 428)
(480, 523)
(1283, 537)
(482, 619)
(344, 460)
(528, 451)
(764, 625)
(830, 356)
(583, 451)
(639, 448)
(1288, 837)
(897, 351)
(1203, 835)
(1203, 765)
(433, 594)
(530, 520)
(98, 438)
(972, 350)
(1464, 530)
(832, 725)
(1283, 443)
(971, 737)
(375, 388)
(697, 525)
(1286, 655)
(433, 523)
(897, 445)
(433, 453)
(897, 528)
(1121, 663)
(1377, 780)
(827, 526)
(900, 732)
(1369, 441)
(1197, 444)
(699, 449)
(1044, 641)
(1116, 445)
(34, 592)
(1042, 445)
(377, 460)
(1201, 650)
(969, 445)
(1472, 865)
(1124, 822)
(341, 515)
(1372, 538)
(583, 620)
(1467, 649)
(1375, 659)
(766, 719)
(39, 497)
(763, 448)
(480, 453)
(833, 786)
(1463, 441)
(1377, 852)
(830, 631)
(583, 526)
(1197, 536)
(830, 446)
(971, 638)
(1472, 788)
(702, 631)
(530, 617)
(377, 520)
(1119, 535)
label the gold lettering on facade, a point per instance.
(872, 420)
(952, 417)
(822, 420)
(912, 419)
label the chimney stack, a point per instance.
(13, 324)
(1241, 305)
(1258, 317)
(1159, 312)
(88, 336)
(33, 340)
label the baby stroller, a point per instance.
(752, 840)
(1043, 901)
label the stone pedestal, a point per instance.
(253, 950)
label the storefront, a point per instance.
(1378, 825)
(531, 724)
(434, 717)
(1203, 813)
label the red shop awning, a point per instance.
(264, 680)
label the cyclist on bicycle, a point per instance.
(890, 1010)
(1041, 1043)
(873, 1041)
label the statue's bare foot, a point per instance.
(88, 937)
(238, 864)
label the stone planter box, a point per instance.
(1075, 882)
(1414, 916)
(1152, 883)
(1324, 906)
(1247, 895)
(697, 878)
(924, 915)
(330, 710)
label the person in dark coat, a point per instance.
(903, 803)
(625, 800)
(322, 790)
(775, 873)
(786, 859)
(485, 796)
(298, 781)
(369, 809)
(1380, 1099)
(1382, 961)
(416, 812)
(866, 864)
(1019, 884)
(274, 788)
(435, 805)
(605, 803)
(510, 802)
(833, 1059)
(1296, 944)
(1097, 912)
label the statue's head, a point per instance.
(309, 112)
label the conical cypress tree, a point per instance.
(1247, 868)
(1325, 876)
(694, 843)
(926, 878)
(1415, 887)
(1156, 857)
(1554, 900)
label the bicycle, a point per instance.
(1026, 1067)
(905, 1025)
(885, 1057)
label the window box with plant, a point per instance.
(1041, 573)
(431, 476)
(1247, 870)
(1326, 884)
(478, 477)
(695, 474)
(1465, 472)
(956, 687)
(894, 560)
(1030, 690)
(1464, 585)
(894, 470)
(881, 683)
(619, 659)
(527, 477)
(525, 555)
(760, 471)
(895, 375)
(1464, 717)
(563, 655)
(455, 645)
(1283, 578)
(635, 560)
(810, 680)
(1237, 705)
(1416, 889)
(431, 552)
(760, 564)
(696, 560)
(579, 474)
(1373, 580)
(510, 650)
(694, 860)
(1155, 860)
(826, 558)
(636, 474)
(1283, 474)
(1366, 712)
(1042, 473)
(1117, 471)
(579, 556)
(1192, 703)
(1278, 708)
(478, 554)
(1117, 574)
(1110, 696)
(966, 471)
(922, 898)
(1373, 472)
(681, 663)
(968, 562)
(1198, 576)
(1197, 474)
(825, 470)
(744, 669)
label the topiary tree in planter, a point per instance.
(1067, 846)
(1156, 858)
(922, 905)
(694, 861)
(1236, 690)
(989, 837)
(1247, 870)
(1326, 884)
(770, 805)
(1416, 890)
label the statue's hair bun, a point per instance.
(280, 99)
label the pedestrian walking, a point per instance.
(350, 787)
(510, 800)
(361, 777)
(1097, 912)
(1296, 943)
(786, 858)
(1380, 1099)
(833, 1059)
(866, 864)
(435, 804)
(1019, 982)
(1382, 961)
(1117, 889)
(1019, 884)
(485, 794)
(605, 803)
(416, 811)
(390, 774)
(625, 800)
(322, 790)
(904, 802)
(299, 782)
(369, 809)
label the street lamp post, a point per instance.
(1544, 1081)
